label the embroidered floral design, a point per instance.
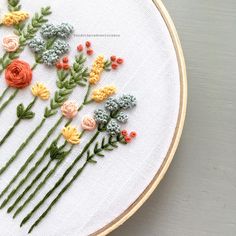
(88, 123)
(101, 116)
(41, 91)
(14, 18)
(52, 45)
(18, 74)
(97, 69)
(113, 128)
(10, 43)
(71, 134)
(69, 109)
(100, 95)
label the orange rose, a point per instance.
(18, 74)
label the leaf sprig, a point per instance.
(107, 144)
(14, 5)
(66, 82)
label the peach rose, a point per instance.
(18, 74)
(69, 109)
(10, 43)
(88, 123)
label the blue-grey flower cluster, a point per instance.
(112, 104)
(101, 116)
(49, 30)
(37, 45)
(50, 57)
(127, 101)
(64, 30)
(113, 128)
(61, 47)
(122, 117)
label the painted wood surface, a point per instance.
(197, 196)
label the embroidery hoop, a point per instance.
(118, 221)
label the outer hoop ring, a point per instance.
(176, 138)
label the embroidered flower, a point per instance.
(60, 47)
(69, 109)
(97, 69)
(112, 104)
(88, 123)
(99, 95)
(14, 18)
(49, 30)
(37, 44)
(122, 117)
(50, 57)
(18, 74)
(41, 91)
(101, 116)
(113, 128)
(71, 134)
(64, 30)
(127, 101)
(10, 43)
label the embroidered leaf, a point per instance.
(28, 115)
(20, 110)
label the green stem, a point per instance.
(34, 66)
(38, 176)
(59, 182)
(32, 195)
(31, 157)
(109, 146)
(9, 132)
(7, 102)
(15, 190)
(22, 146)
(58, 197)
(4, 93)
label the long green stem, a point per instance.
(41, 184)
(7, 102)
(26, 190)
(14, 191)
(59, 182)
(4, 93)
(58, 197)
(22, 146)
(31, 157)
(9, 132)
(109, 146)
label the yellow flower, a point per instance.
(71, 134)
(40, 90)
(14, 18)
(97, 69)
(99, 95)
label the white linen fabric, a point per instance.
(150, 72)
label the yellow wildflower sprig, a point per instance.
(97, 69)
(100, 95)
(41, 91)
(71, 134)
(14, 18)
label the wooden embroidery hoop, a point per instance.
(176, 138)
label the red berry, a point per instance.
(124, 132)
(114, 66)
(88, 44)
(113, 58)
(120, 61)
(128, 139)
(90, 52)
(65, 60)
(59, 66)
(133, 134)
(80, 48)
(66, 66)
